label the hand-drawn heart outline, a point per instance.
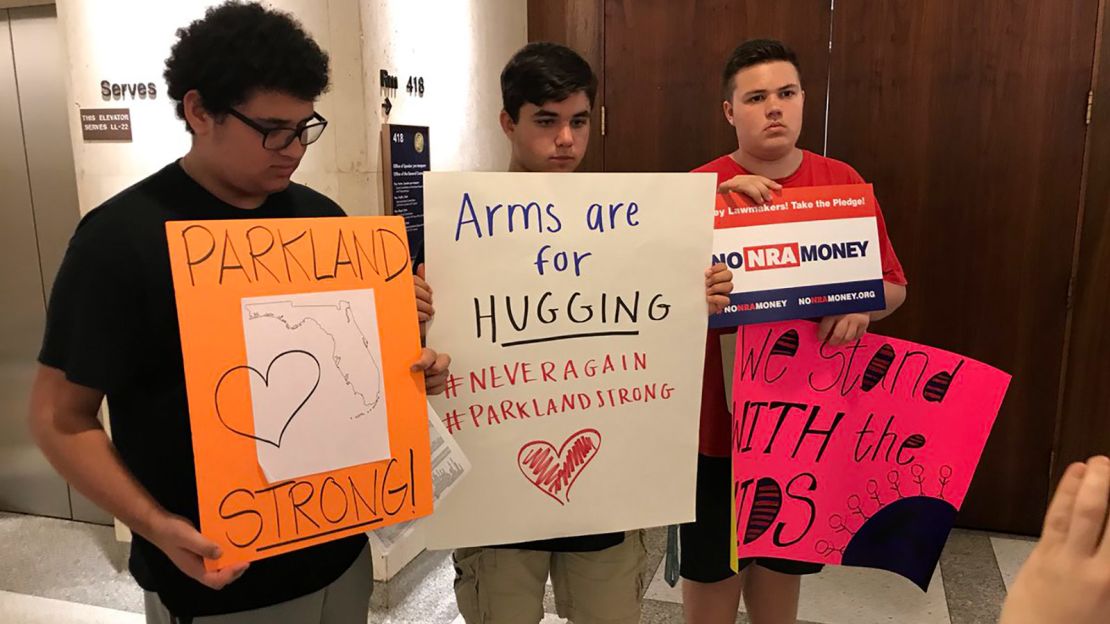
(266, 381)
(578, 435)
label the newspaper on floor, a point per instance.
(449, 466)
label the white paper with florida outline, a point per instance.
(624, 465)
(317, 395)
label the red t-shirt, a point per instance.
(815, 170)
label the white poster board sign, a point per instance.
(573, 307)
(314, 363)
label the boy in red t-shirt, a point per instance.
(763, 101)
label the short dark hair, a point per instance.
(239, 49)
(544, 72)
(755, 52)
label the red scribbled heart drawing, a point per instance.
(554, 472)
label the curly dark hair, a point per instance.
(544, 72)
(238, 49)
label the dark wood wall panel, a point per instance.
(578, 24)
(663, 74)
(969, 119)
(1085, 417)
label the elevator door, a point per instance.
(37, 215)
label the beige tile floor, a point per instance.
(60, 571)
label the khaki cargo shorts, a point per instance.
(506, 586)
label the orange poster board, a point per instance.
(298, 336)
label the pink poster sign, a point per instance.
(858, 455)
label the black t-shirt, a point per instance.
(112, 325)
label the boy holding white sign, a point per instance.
(763, 101)
(548, 92)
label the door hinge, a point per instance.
(1090, 106)
(603, 119)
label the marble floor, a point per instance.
(61, 571)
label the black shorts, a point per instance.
(704, 542)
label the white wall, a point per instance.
(458, 46)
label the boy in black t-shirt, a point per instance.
(244, 80)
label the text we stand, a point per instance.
(830, 442)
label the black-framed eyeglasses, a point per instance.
(277, 139)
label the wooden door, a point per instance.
(578, 24)
(1085, 415)
(969, 118)
(663, 64)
